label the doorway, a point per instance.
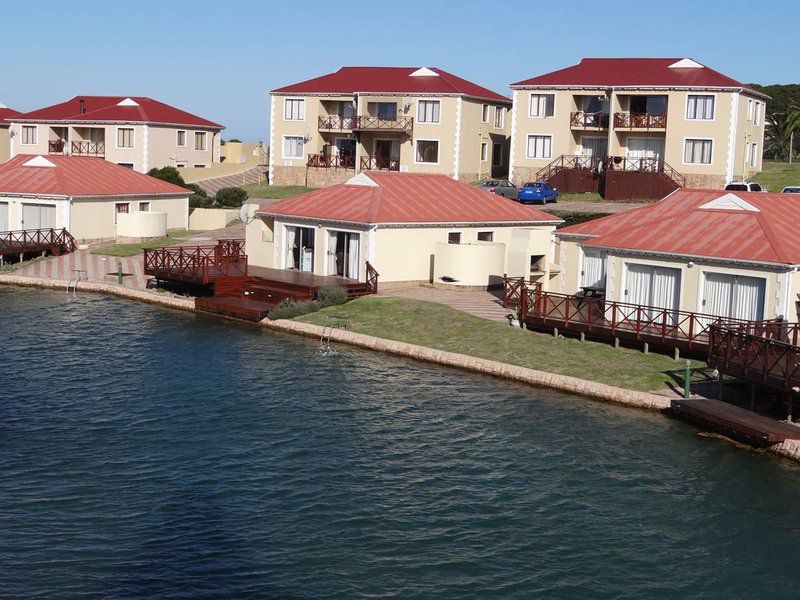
(644, 152)
(38, 216)
(652, 286)
(386, 153)
(343, 254)
(346, 149)
(300, 248)
(734, 296)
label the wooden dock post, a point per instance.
(646, 348)
(616, 342)
(677, 354)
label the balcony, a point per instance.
(366, 123)
(588, 120)
(380, 164)
(644, 121)
(328, 161)
(56, 146)
(88, 149)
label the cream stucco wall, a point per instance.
(471, 264)
(5, 145)
(138, 224)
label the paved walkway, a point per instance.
(252, 175)
(101, 269)
(481, 304)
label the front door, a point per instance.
(649, 149)
(383, 153)
(38, 216)
(300, 248)
(734, 296)
(651, 286)
(343, 253)
(596, 147)
(593, 273)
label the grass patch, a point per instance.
(268, 192)
(134, 249)
(438, 326)
(580, 197)
(777, 175)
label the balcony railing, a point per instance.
(88, 149)
(589, 120)
(328, 161)
(639, 121)
(56, 146)
(337, 123)
(365, 123)
(379, 164)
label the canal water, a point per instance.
(151, 453)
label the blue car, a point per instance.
(537, 192)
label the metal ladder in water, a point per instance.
(331, 323)
(78, 275)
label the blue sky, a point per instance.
(219, 59)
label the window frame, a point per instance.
(454, 235)
(689, 95)
(757, 113)
(528, 145)
(133, 138)
(146, 204)
(543, 95)
(490, 234)
(302, 147)
(439, 111)
(698, 139)
(753, 162)
(485, 113)
(118, 212)
(178, 138)
(484, 151)
(205, 141)
(301, 112)
(438, 150)
(501, 112)
(35, 129)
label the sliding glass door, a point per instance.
(343, 253)
(734, 296)
(300, 248)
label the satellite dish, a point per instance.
(246, 214)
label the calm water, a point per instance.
(150, 453)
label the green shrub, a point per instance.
(289, 309)
(199, 198)
(170, 174)
(330, 296)
(231, 197)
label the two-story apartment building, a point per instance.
(5, 138)
(670, 115)
(416, 120)
(135, 132)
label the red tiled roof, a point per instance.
(381, 80)
(79, 176)
(634, 72)
(407, 198)
(6, 113)
(108, 109)
(678, 226)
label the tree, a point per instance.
(170, 174)
(232, 197)
(778, 132)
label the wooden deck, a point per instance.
(238, 307)
(735, 422)
(54, 241)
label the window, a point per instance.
(386, 111)
(180, 165)
(757, 114)
(497, 155)
(485, 236)
(543, 105)
(294, 109)
(697, 152)
(181, 141)
(700, 107)
(750, 109)
(540, 146)
(293, 146)
(484, 151)
(126, 165)
(485, 113)
(124, 137)
(427, 151)
(28, 134)
(144, 207)
(428, 111)
(454, 237)
(199, 166)
(199, 140)
(121, 209)
(499, 116)
(753, 154)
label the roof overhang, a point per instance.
(644, 88)
(699, 257)
(112, 122)
(323, 95)
(408, 225)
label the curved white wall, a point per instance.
(142, 224)
(470, 264)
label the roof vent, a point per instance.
(361, 179)
(729, 202)
(128, 102)
(686, 63)
(38, 161)
(424, 72)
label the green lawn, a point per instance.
(255, 190)
(580, 197)
(134, 249)
(438, 326)
(777, 175)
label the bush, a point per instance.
(289, 309)
(330, 296)
(232, 197)
(198, 198)
(169, 174)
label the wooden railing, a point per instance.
(202, 264)
(88, 149)
(645, 164)
(589, 119)
(372, 279)
(368, 123)
(754, 357)
(231, 247)
(56, 146)
(337, 122)
(58, 241)
(567, 161)
(368, 163)
(328, 161)
(624, 120)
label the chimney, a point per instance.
(83, 108)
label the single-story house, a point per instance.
(412, 229)
(88, 197)
(705, 251)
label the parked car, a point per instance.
(501, 187)
(537, 192)
(744, 186)
(791, 189)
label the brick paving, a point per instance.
(100, 269)
(481, 304)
